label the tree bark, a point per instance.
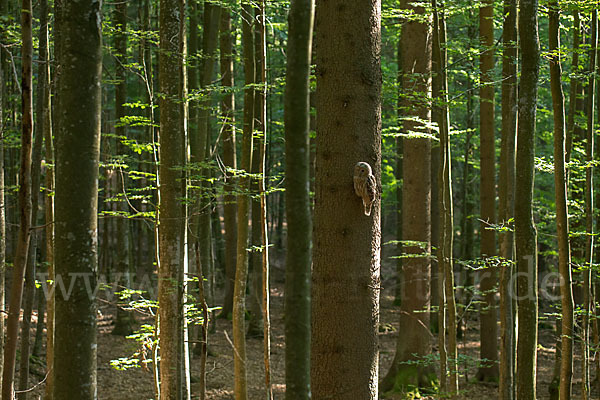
(346, 253)
(506, 196)
(24, 195)
(414, 339)
(297, 202)
(171, 190)
(525, 232)
(447, 211)
(79, 60)
(243, 204)
(229, 156)
(562, 219)
(488, 330)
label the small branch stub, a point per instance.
(365, 185)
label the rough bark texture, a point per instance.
(414, 339)
(346, 263)
(79, 59)
(171, 190)
(229, 156)
(525, 232)
(243, 204)
(562, 220)
(297, 200)
(506, 202)
(24, 196)
(488, 328)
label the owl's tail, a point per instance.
(368, 206)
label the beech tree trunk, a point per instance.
(243, 204)
(171, 191)
(346, 253)
(525, 232)
(562, 219)
(79, 59)
(488, 328)
(229, 157)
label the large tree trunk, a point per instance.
(562, 219)
(79, 60)
(525, 232)
(243, 204)
(488, 329)
(414, 339)
(297, 202)
(171, 190)
(21, 253)
(506, 194)
(346, 253)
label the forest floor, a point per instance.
(137, 383)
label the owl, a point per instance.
(365, 186)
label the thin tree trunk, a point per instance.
(124, 319)
(260, 107)
(589, 207)
(525, 232)
(438, 217)
(229, 156)
(298, 207)
(2, 210)
(21, 253)
(562, 220)
(506, 204)
(447, 209)
(30, 273)
(49, 205)
(574, 89)
(488, 330)
(241, 272)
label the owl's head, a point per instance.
(362, 169)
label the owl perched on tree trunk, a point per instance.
(365, 186)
